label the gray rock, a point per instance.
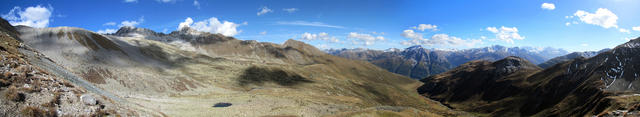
(88, 99)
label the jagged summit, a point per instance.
(415, 47)
(134, 31)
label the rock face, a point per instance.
(604, 84)
(418, 62)
(88, 99)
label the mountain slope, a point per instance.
(186, 72)
(418, 62)
(600, 85)
(30, 88)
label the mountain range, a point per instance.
(571, 56)
(418, 62)
(68, 71)
(601, 85)
(138, 72)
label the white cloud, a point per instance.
(548, 6)
(602, 17)
(131, 23)
(364, 39)
(320, 36)
(505, 33)
(567, 24)
(411, 34)
(624, 30)
(568, 17)
(34, 16)
(323, 46)
(584, 44)
(212, 25)
(263, 33)
(290, 10)
(196, 4)
(109, 24)
(637, 28)
(166, 1)
(437, 39)
(263, 11)
(129, 1)
(423, 27)
(378, 33)
(107, 31)
(305, 23)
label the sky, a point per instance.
(573, 25)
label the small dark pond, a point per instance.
(222, 104)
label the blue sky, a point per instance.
(574, 25)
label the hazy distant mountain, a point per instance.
(605, 85)
(570, 56)
(418, 62)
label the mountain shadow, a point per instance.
(260, 75)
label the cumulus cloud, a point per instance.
(437, 39)
(263, 33)
(305, 23)
(423, 27)
(264, 10)
(602, 17)
(320, 36)
(637, 28)
(505, 33)
(34, 16)
(548, 6)
(130, 1)
(196, 4)
(584, 44)
(624, 30)
(364, 39)
(109, 24)
(212, 25)
(131, 23)
(107, 31)
(290, 10)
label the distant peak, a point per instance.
(128, 30)
(415, 47)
